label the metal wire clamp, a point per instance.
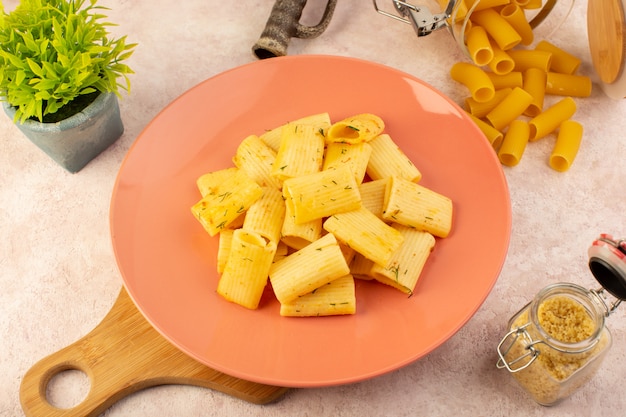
(422, 20)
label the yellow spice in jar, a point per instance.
(565, 320)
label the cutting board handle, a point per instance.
(122, 355)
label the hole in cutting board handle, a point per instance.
(66, 387)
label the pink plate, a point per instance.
(168, 262)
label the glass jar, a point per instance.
(557, 342)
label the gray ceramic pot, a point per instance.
(75, 141)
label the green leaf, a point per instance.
(34, 67)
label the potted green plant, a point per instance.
(60, 74)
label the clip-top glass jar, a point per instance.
(557, 341)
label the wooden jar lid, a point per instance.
(606, 26)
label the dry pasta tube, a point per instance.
(568, 85)
(566, 145)
(516, 17)
(493, 135)
(479, 46)
(501, 63)
(530, 58)
(481, 109)
(530, 4)
(475, 79)
(546, 122)
(535, 84)
(511, 79)
(510, 108)
(497, 27)
(562, 62)
(487, 4)
(514, 143)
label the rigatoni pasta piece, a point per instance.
(406, 265)
(568, 85)
(510, 108)
(535, 85)
(266, 215)
(337, 297)
(516, 17)
(223, 248)
(282, 251)
(493, 135)
(566, 145)
(321, 121)
(356, 129)
(298, 235)
(414, 205)
(307, 269)
(478, 46)
(373, 195)
(301, 152)
(356, 156)
(364, 232)
(497, 27)
(479, 109)
(562, 61)
(388, 159)
(256, 159)
(361, 267)
(501, 63)
(475, 79)
(225, 203)
(511, 79)
(322, 194)
(211, 181)
(530, 58)
(514, 143)
(246, 271)
(547, 121)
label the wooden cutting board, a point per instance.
(122, 355)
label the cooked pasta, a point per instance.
(226, 202)
(356, 156)
(256, 159)
(405, 267)
(388, 159)
(337, 297)
(365, 233)
(311, 197)
(356, 129)
(297, 213)
(247, 268)
(414, 205)
(307, 269)
(301, 151)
